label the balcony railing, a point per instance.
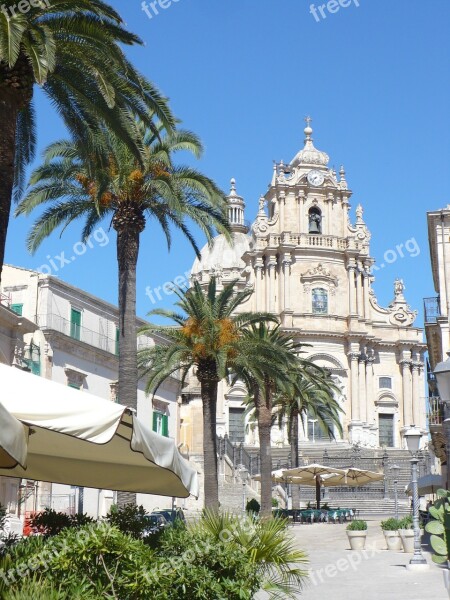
(5, 300)
(432, 309)
(77, 332)
(436, 411)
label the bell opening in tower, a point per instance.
(315, 221)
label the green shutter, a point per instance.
(75, 324)
(155, 421)
(165, 426)
(17, 308)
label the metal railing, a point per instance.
(238, 455)
(77, 332)
(432, 309)
(436, 411)
(5, 299)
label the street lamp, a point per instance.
(395, 469)
(244, 476)
(442, 374)
(413, 437)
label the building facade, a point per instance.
(437, 326)
(74, 341)
(307, 262)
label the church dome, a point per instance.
(222, 256)
(310, 155)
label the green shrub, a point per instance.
(275, 503)
(439, 528)
(253, 506)
(50, 523)
(130, 519)
(406, 523)
(357, 525)
(390, 524)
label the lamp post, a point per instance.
(244, 476)
(442, 373)
(395, 471)
(413, 437)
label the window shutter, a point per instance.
(165, 426)
(155, 421)
(17, 308)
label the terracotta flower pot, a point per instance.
(357, 539)
(393, 541)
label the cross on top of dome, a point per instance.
(309, 155)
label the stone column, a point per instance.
(271, 269)
(362, 388)
(259, 298)
(370, 395)
(366, 282)
(407, 389)
(354, 359)
(416, 367)
(281, 200)
(287, 262)
(359, 292)
(351, 290)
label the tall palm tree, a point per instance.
(265, 368)
(71, 49)
(312, 394)
(207, 339)
(111, 183)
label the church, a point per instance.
(308, 263)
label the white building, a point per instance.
(75, 343)
(13, 330)
(311, 265)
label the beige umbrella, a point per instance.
(79, 439)
(13, 441)
(355, 477)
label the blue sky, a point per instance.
(243, 74)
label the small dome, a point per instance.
(221, 256)
(310, 155)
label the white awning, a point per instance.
(79, 439)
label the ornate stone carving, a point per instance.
(74, 377)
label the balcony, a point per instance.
(435, 412)
(432, 309)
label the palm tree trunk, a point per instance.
(8, 119)
(293, 436)
(127, 256)
(16, 92)
(263, 402)
(210, 466)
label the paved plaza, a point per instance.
(337, 573)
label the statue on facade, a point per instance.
(399, 288)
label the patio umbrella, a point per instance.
(354, 477)
(428, 484)
(13, 441)
(79, 439)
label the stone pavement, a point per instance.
(337, 573)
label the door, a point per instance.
(75, 324)
(386, 427)
(237, 425)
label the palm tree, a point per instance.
(71, 49)
(312, 394)
(265, 368)
(111, 183)
(207, 338)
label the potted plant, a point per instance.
(406, 530)
(390, 529)
(439, 529)
(357, 533)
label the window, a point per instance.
(320, 301)
(386, 427)
(386, 382)
(75, 324)
(236, 425)
(17, 308)
(160, 423)
(75, 386)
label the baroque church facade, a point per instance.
(308, 263)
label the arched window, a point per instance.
(320, 301)
(315, 220)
